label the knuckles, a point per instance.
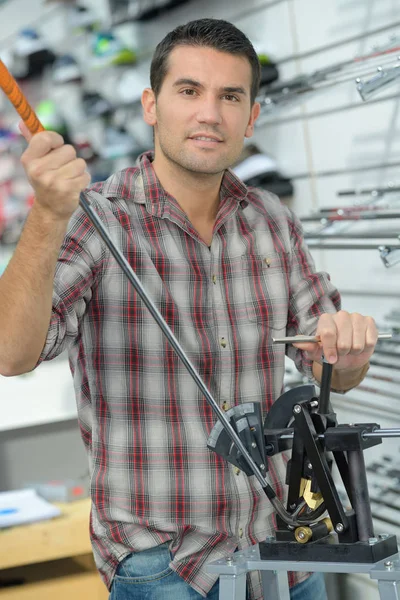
(48, 138)
(80, 164)
(358, 348)
(69, 153)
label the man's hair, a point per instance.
(209, 33)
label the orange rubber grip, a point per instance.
(11, 88)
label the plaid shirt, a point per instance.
(143, 420)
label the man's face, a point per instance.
(203, 110)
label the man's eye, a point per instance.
(231, 98)
(188, 92)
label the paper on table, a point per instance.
(24, 506)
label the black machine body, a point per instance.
(316, 525)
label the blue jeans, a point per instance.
(147, 576)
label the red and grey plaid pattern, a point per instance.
(143, 420)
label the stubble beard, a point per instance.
(196, 165)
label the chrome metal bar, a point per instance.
(271, 120)
(381, 81)
(379, 235)
(272, 99)
(304, 339)
(378, 433)
(325, 246)
(380, 191)
(387, 430)
(362, 216)
(389, 255)
(338, 44)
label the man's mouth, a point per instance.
(205, 139)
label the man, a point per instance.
(228, 268)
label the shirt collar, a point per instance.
(142, 186)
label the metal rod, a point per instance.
(304, 339)
(380, 191)
(384, 431)
(342, 42)
(370, 216)
(351, 68)
(380, 81)
(271, 120)
(272, 98)
(385, 365)
(377, 433)
(372, 206)
(372, 390)
(324, 246)
(386, 352)
(382, 378)
(379, 235)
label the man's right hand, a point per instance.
(54, 171)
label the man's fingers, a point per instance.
(346, 339)
(41, 144)
(328, 334)
(75, 168)
(313, 350)
(371, 336)
(359, 340)
(54, 160)
(25, 131)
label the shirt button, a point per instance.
(214, 279)
(237, 471)
(223, 342)
(240, 533)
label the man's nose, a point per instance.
(209, 111)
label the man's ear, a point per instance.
(149, 106)
(255, 113)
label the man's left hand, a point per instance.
(348, 340)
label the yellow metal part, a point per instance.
(328, 524)
(313, 500)
(303, 534)
(303, 483)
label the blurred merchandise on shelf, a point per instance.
(108, 50)
(140, 10)
(130, 87)
(66, 70)
(7, 137)
(81, 18)
(30, 55)
(257, 169)
(117, 143)
(94, 105)
(269, 69)
(51, 118)
(84, 148)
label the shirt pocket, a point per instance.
(266, 282)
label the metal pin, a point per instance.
(303, 339)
